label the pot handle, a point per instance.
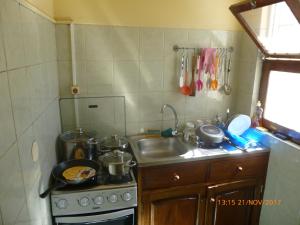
(132, 163)
(57, 184)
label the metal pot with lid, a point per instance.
(114, 142)
(75, 145)
(118, 163)
(210, 134)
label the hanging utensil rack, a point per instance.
(176, 48)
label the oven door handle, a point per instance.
(96, 218)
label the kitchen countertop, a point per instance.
(194, 153)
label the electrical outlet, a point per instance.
(75, 90)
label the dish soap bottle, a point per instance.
(257, 117)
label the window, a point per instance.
(280, 92)
(274, 26)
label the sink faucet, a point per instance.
(175, 116)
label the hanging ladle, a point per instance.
(227, 86)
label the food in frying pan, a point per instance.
(79, 173)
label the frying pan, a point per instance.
(61, 181)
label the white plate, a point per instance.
(238, 124)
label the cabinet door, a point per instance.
(176, 211)
(230, 203)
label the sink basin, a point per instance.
(161, 147)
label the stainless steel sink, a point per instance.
(161, 147)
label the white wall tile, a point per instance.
(65, 78)
(51, 38)
(46, 32)
(12, 33)
(41, 137)
(7, 130)
(221, 39)
(81, 77)
(150, 104)
(152, 44)
(2, 52)
(125, 43)
(25, 96)
(126, 76)
(99, 76)
(37, 89)
(51, 71)
(132, 106)
(12, 195)
(30, 169)
(80, 42)
(199, 38)
(63, 42)
(174, 37)
(19, 82)
(98, 43)
(282, 183)
(30, 36)
(171, 74)
(151, 76)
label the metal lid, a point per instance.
(116, 156)
(75, 136)
(212, 131)
(114, 142)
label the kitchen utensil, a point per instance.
(114, 142)
(210, 134)
(181, 77)
(74, 145)
(227, 86)
(199, 82)
(194, 70)
(118, 163)
(238, 124)
(61, 181)
(95, 149)
(214, 82)
(186, 89)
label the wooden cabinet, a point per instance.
(158, 177)
(207, 192)
(232, 203)
(175, 211)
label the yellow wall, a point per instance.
(205, 14)
(45, 6)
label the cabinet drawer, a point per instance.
(173, 175)
(251, 166)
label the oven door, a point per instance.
(124, 217)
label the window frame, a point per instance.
(285, 65)
(248, 5)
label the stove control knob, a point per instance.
(84, 201)
(62, 203)
(127, 196)
(98, 200)
(113, 198)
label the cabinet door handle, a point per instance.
(240, 169)
(176, 177)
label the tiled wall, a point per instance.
(248, 78)
(282, 183)
(139, 63)
(28, 112)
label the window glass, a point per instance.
(275, 27)
(282, 100)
